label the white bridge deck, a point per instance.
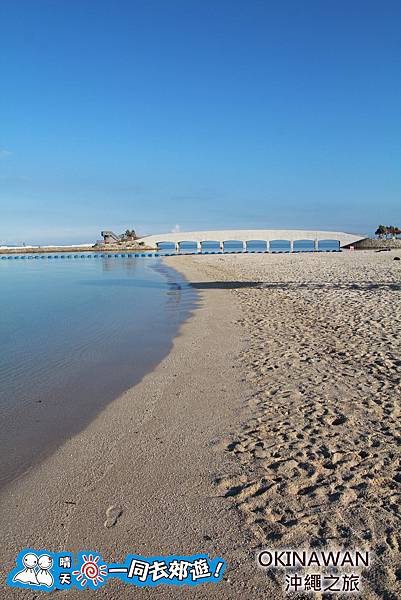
(247, 235)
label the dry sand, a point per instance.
(274, 422)
(321, 456)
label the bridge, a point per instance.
(245, 236)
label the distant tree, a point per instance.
(130, 234)
(391, 231)
(381, 231)
(386, 231)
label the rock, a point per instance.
(397, 258)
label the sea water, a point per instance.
(74, 335)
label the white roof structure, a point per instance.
(246, 235)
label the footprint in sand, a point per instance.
(113, 513)
(339, 420)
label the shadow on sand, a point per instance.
(234, 285)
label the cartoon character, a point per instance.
(28, 575)
(45, 563)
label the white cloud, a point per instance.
(176, 229)
(4, 153)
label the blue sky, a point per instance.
(197, 113)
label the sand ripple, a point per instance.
(321, 459)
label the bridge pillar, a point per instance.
(291, 245)
(267, 246)
(316, 245)
(177, 246)
(221, 246)
(199, 246)
(244, 246)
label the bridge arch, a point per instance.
(329, 245)
(165, 245)
(233, 245)
(211, 245)
(254, 245)
(280, 245)
(304, 245)
(188, 245)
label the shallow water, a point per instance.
(74, 335)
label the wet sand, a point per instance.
(141, 478)
(273, 422)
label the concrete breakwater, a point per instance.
(377, 244)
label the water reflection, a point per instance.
(75, 334)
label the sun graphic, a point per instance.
(91, 571)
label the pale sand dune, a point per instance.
(321, 457)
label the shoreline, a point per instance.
(82, 249)
(273, 422)
(155, 457)
(41, 422)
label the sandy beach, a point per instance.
(320, 457)
(273, 422)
